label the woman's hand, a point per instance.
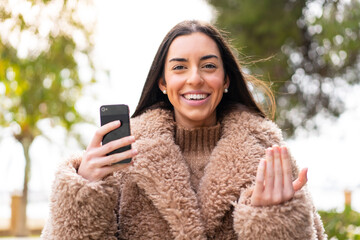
(274, 183)
(95, 164)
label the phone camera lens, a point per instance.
(103, 109)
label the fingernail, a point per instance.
(135, 151)
(269, 152)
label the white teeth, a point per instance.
(195, 96)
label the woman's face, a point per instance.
(195, 79)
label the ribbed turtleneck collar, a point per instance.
(197, 140)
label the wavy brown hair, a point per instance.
(238, 91)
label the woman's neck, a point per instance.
(195, 123)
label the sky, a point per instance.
(127, 36)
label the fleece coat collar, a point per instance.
(160, 169)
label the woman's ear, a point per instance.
(162, 84)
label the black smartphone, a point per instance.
(110, 113)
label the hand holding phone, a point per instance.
(110, 113)
(99, 160)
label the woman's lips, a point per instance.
(195, 99)
(195, 96)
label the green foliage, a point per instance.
(343, 225)
(313, 48)
(40, 41)
(43, 82)
(260, 29)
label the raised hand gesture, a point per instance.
(274, 183)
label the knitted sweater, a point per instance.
(196, 146)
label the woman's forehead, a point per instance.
(194, 43)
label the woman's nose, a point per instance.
(195, 77)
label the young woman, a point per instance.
(207, 163)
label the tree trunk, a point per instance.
(21, 229)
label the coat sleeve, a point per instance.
(294, 219)
(80, 209)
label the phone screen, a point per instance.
(109, 113)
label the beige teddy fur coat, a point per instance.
(153, 199)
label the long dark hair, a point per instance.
(238, 91)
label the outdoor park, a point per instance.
(62, 59)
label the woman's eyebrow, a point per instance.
(178, 60)
(209, 56)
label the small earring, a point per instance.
(226, 90)
(164, 91)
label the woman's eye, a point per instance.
(179, 67)
(209, 66)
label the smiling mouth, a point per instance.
(195, 97)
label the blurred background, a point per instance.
(61, 59)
